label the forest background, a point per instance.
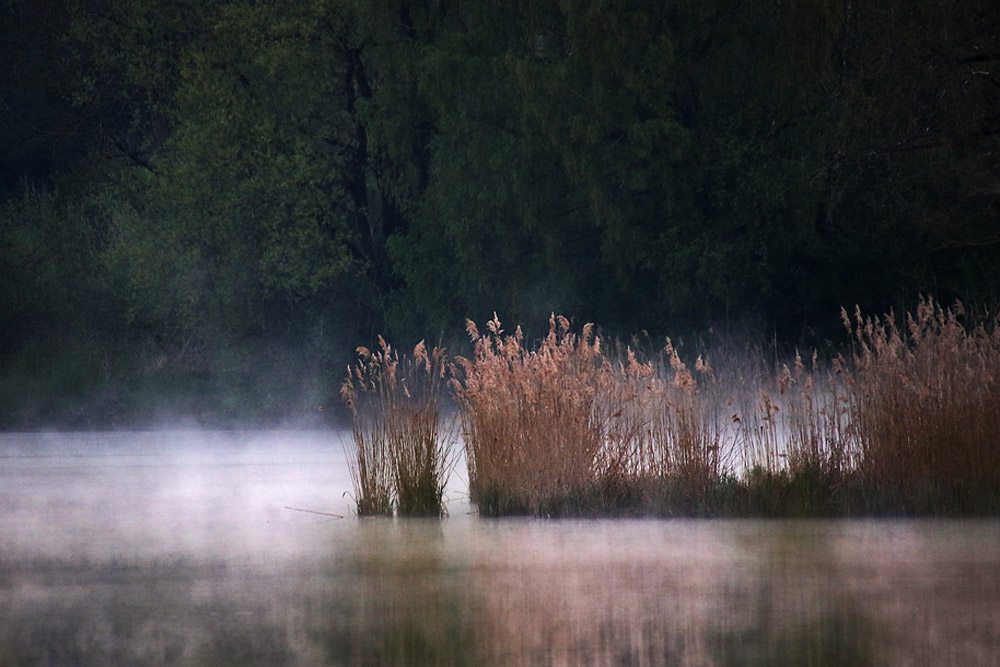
(206, 206)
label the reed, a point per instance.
(402, 445)
(924, 398)
(688, 449)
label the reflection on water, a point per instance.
(175, 548)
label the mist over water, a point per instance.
(187, 493)
(178, 547)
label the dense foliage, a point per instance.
(205, 206)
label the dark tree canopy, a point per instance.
(214, 202)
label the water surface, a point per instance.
(179, 547)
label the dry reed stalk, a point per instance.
(744, 397)
(401, 455)
(796, 418)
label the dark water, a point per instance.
(179, 548)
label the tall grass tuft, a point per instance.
(925, 400)
(402, 445)
(528, 417)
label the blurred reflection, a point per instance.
(403, 600)
(794, 608)
(416, 593)
(260, 585)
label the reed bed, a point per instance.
(907, 421)
(925, 403)
(402, 444)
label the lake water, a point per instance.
(180, 548)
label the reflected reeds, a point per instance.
(605, 593)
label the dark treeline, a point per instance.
(205, 206)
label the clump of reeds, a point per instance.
(401, 455)
(562, 429)
(925, 400)
(528, 417)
